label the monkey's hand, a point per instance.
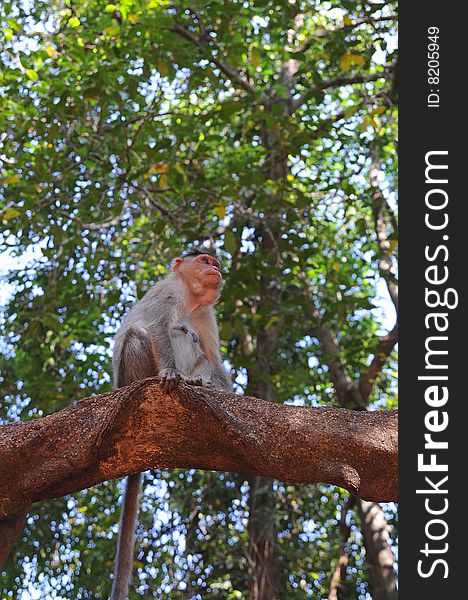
(170, 379)
(188, 331)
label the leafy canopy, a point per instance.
(133, 130)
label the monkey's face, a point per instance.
(204, 270)
(207, 270)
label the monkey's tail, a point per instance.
(126, 540)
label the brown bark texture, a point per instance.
(264, 564)
(140, 427)
(10, 528)
(379, 555)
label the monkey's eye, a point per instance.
(205, 260)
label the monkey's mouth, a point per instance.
(214, 275)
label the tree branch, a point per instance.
(339, 574)
(379, 554)
(223, 66)
(10, 528)
(384, 347)
(382, 214)
(94, 226)
(139, 427)
(334, 83)
(346, 389)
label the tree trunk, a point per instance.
(265, 579)
(374, 526)
(264, 573)
(379, 555)
(264, 566)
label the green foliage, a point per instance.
(125, 142)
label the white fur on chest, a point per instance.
(190, 357)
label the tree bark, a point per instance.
(139, 427)
(379, 555)
(10, 528)
(265, 581)
(264, 564)
(264, 572)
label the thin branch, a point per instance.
(339, 574)
(346, 389)
(222, 65)
(382, 352)
(94, 226)
(323, 125)
(334, 83)
(365, 20)
(150, 202)
(381, 212)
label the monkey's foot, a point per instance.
(196, 381)
(170, 379)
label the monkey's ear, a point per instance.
(176, 263)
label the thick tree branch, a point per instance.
(139, 428)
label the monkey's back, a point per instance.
(141, 324)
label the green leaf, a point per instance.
(32, 75)
(164, 67)
(10, 213)
(255, 57)
(8, 34)
(156, 165)
(10, 180)
(230, 242)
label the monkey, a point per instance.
(171, 333)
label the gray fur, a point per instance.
(159, 336)
(156, 341)
(126, 541)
